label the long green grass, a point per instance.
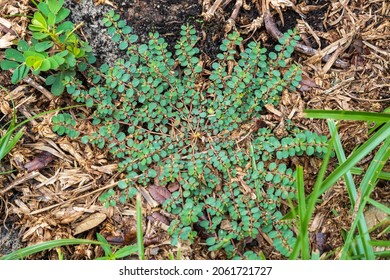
(33, 249)
(9, 140)
(357, 244)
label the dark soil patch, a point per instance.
(9, 237)
(313, 18)
(163, 16)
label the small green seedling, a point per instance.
(54, 47)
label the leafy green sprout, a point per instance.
(54, 47)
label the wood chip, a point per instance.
(92, 221)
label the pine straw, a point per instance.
(50, 203)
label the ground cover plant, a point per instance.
(168, 123)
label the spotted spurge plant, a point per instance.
(169, 118)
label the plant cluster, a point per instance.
(54, 46)
(168, 119)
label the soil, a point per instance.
(163, 16)
(166, 17)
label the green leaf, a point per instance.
(57, 87)
(39, 35)
(53, 63)
(44, 8)
(7, 64)
(60, 60)
(20, 73)
(121, 136)
(142, 48)
(15, 55)
(51, 19)
(123, 45)
(126, 30)
(38, 22)
(71, 60)
(122, 185)
(65, 26)
(45, 65)
(23, 46)
(152, 173)
(55, 5)
(34, 61)
(272, 55)
(43, 46)
(62, 14)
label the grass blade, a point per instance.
(140, 236)
(5, 141)
(305, 246)
(25, 252)
(359, 171)
(354, 158)
(105, 246)
(367, 186)
(302, 242)
(126, 251)
(379, 205)
(347, 115)
(363, 247)
(380, 243)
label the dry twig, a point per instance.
(272, 29)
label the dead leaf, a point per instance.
(375, 216)
(6, 41)
(322, 242)
(160, 194)
(157, 216)
(307, 84)
(172, 187)
(41, 161)
(271, 108)
(90, 222)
